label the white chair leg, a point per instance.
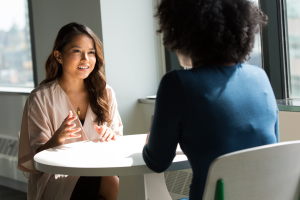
(143, 187)
(156, 187)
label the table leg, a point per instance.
(143, 187)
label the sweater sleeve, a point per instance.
(167, 123)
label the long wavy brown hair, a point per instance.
(95, 83)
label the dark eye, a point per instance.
(76, 51)
(92, 52)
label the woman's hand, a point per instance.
(149, 131)
(65, 131)
(106, 133)
(147, 138)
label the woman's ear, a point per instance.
(184, 60)
(58, 56)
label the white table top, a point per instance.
(94, 158)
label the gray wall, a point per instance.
(11, 106)
(50, 16)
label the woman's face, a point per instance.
(78, 58)
(184, 60)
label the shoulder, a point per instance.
(170, 85)
(42, 92)
(253, 69)
(111, 96)
(109, 90)
(171, 78)
(255, 74)
(45, 88)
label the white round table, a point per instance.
(122, 157)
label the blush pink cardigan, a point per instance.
(45, 109)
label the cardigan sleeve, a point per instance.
(167, 123)
(116, 123)
(35, 132)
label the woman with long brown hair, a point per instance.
(72, 104)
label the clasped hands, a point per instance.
(65, 131)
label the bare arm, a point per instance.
(149, 131)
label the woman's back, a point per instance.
(211, 110)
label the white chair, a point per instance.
(270, 172)
(26, 174)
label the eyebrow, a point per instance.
(81, 47)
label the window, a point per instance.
(293, 37)
(16, 66)
(256, 52)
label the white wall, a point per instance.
(131, 56)
(289, 126)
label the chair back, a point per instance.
(269, 172)
(26, 174)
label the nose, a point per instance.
(85, 57)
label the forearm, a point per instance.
(53, 142)
(147, 138)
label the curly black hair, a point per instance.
(210, 30)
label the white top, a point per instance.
(93, 158)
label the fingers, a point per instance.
(106, 134)
(111, 135)
(69, 127)
(100, 130)
(74, 136)
(114, 137)
(71, 133)
(69, 115)
(68, 121)
(97, 128)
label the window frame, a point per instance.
(21, 90)
(275, 54)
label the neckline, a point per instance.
(214, 65)
(70, 103)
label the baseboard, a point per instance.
(10, 183)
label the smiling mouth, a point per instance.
(83, 67)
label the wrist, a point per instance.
(57, 140)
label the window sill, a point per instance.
(147, 101)
(292, 105)
(17, 90)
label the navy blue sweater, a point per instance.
(210, 110)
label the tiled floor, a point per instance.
(11, 194)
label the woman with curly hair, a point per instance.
(219, 106)
(72, 104)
